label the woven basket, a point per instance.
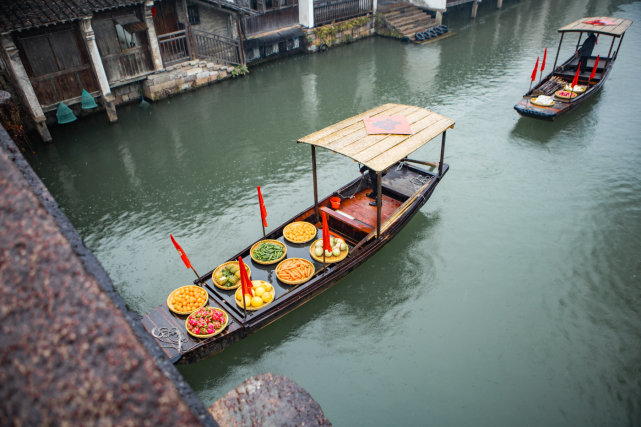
(535, 102)
(171, 307)
(577, 89)
(289, 226)
(239, 292)
(571, 95)
(328, 259)
(257, 244)
(295, 282)
(208, 335)
(220, 267)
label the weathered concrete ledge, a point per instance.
(71, 353)
(268, 400)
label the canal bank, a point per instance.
(63, 64)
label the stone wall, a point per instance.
(72, 352)
(326, 36)
(126, 94)
(183, 77)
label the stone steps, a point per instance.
(407, 19)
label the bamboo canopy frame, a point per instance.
(617, 30)
(380, 151)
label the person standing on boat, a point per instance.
(585, 51)
(372, 178)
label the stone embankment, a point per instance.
(183, 77)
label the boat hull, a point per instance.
(288, 298)
(549, 85)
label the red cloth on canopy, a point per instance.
(395, 125)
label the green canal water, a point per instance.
(512, 298)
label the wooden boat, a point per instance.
(553, 85)
(406, 185)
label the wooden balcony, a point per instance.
(326, 12)
(270, 21)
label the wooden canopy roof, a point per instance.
(616, 30)
(379, 152)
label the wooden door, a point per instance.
(58, 65)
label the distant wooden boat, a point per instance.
(401, 192)
(554, 95)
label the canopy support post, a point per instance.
(315, 182)
(440, 163)
(379, 202)
(607, 60)
(616, 53)
(558, 49)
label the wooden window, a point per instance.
(192, 12)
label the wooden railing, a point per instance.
(173, 47)
(55, 87)
(218, 48)
(326, 12)
(134, 62)
(271, 20)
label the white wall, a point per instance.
(430, 4)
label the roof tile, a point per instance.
(28, 14)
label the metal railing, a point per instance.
(326, 12)
(217, 48)
(173, 47)
(272, 20)
(134, 62)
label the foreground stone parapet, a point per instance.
(268, 400)
(70, 351)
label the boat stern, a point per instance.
(526, 108)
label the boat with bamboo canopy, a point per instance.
(295, 262)
(581, 76)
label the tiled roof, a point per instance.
(17, 15)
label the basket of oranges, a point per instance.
(187, 299)
(299, 232)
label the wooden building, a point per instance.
(59, 53)
(53, 51)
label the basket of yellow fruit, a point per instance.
(227, 276)
(187, 299)
(263, 294)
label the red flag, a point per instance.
(263, 211)
(326, 245)
(244, 280)
(576, 76)
(536, 67)
(596, 63)
(545, 55)
(181, 252)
